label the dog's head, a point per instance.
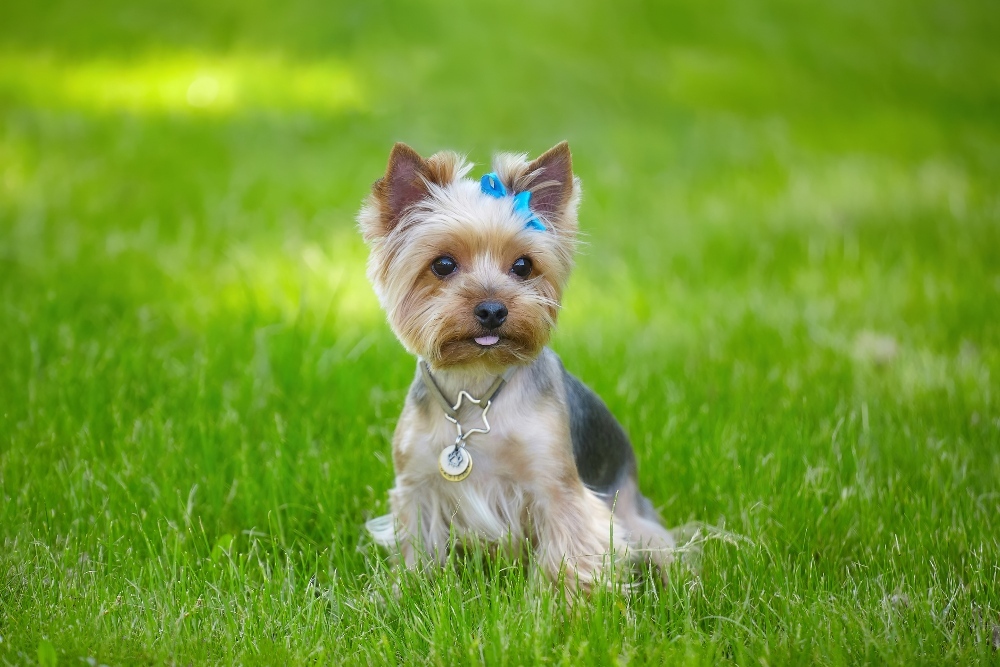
(471, 272)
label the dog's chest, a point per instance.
(524, 436)
(492, 453)
(491, 501)
(526, 449)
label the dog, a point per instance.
(496, 442)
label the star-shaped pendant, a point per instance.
(478, 402)
(455, 461)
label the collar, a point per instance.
(452, 410)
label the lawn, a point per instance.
(789, 295)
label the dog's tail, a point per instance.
(382, 530)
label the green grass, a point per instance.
(790, 296)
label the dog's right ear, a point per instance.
(404, 184)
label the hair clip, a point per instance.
(492, 186)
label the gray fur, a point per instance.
(603, 453)
(543, 376)
(421, 397)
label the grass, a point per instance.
(790, 296)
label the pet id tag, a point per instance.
(455, 463)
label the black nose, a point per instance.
(491, 314)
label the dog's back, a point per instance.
(606, 463)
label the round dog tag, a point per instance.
(455, 463)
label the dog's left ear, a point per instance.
(405, 183)
(552, 182)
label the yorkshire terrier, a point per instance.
(497, 442)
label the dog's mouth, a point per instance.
(487, 341)
(496, 348)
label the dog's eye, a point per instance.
(443, 266)
(521, 267)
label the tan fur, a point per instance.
(524, 487)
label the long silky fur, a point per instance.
(524, 487)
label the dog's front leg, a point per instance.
(576, 534)
(422, 534)
(422, 528)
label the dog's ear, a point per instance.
(404, 184)
(552, 181)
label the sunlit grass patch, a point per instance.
(287, 279)
(181, 82)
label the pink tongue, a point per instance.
(488, 340)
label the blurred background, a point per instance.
(791, 218)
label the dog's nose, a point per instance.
(491, 314)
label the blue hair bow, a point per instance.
(491, 185)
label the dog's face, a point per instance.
(464, 279)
